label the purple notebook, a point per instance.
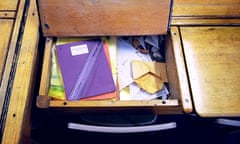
(72, 57)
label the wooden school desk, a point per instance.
(210, 40)
(204, 56)
(205, 43)
(19, 25)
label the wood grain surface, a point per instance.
(206, 12)
(207, 8)
(108, 17)
(17, 121)
(212, 57)
(6, 29)
(8, 5)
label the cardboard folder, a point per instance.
(72, 58)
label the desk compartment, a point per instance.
(174, 103)
(81, 18)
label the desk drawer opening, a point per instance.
(142, 68)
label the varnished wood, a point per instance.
(6, 27)
(191, 21)
(20, 100)
(213, 8)
(7, 14)
(7, 5)
(206, 12)
(46, 68)
(11, 48)
(5, 30)
(156, 106)
(110, 103)
(108, 17)
(212, 58)
(181, 74)
(43, 101)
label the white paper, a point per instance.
(127, 53)
(152, 40)
(137, 93)
(79, 49)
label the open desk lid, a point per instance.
(104, 17)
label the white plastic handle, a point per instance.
(136, 129)
(228, 122)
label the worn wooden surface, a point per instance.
(10, 47)
(207, 8)
(181, 74)
(108, 17)
(46, 68)
(8, 9)
(8, 5)
(20, 102)
(206, 12)
(212, 58)
(111, 104)
(191, 21)
(7, 14)
(6, 26)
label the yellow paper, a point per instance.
(56, 89)
(150, 83)
(150, 76)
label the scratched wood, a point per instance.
(212, 58)
(7, 14)
(108, 17)
(181, 21)
(8, 5)
(20, 101)
(11, 48)
(46, 68)
(6, 29)
(206, 12)
(214, 8)
(178, 68)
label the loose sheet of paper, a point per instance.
(135, 93)
(127, 53)
(129, 90)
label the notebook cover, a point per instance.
(100, 81)
(106, 96)
(56, 89)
